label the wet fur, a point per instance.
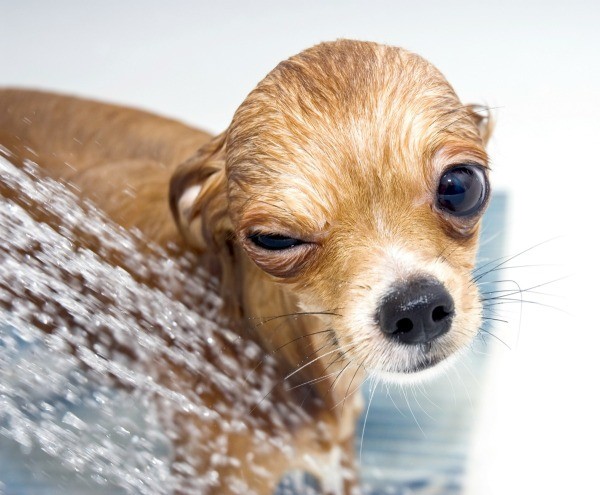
(341, 145)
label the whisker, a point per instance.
(419, 404)
(265, 320)
(253, 370)
(314, 380)
(470, 371)
(424, 393)
(487, 238)
(327, 344)
(442, 256)
(505, 301)
(496, 282)
(464, 386)
(394, 402)
(289, 375)
(506, 260)
(522, 291)
(338, 377)
(284, 345)
(533, 265)
(341, 356)
(496, 337)
(362, 437)
(488, 318)
(411, 411)
(451, 384)
(337, 349)
(347, 394)
(536, 292)
(327, 330)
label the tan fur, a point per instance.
(342, 146)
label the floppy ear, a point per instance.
(483, 120)
(198, 196)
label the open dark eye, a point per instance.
(462, 190)
(274, 242)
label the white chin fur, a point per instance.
(417, 376)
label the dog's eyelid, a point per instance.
(453, 154)
(275, 242)
(280, 261)
(281, 231)
(466, 163)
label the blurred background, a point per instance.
(535, 425)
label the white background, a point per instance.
(537, 62)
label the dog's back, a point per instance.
(120, 157)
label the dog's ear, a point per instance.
(198, 196)
(483, 120)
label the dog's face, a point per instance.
(356, 180)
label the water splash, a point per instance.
(85, 304)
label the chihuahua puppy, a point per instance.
(340, 211)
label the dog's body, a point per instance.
(123, 159)
(321, 202)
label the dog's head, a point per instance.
(355, 180)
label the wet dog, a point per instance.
(340, 211)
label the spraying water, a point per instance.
(86, 305)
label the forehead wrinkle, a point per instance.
(387, 89)
(402, 114)
(284, 200)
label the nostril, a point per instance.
(439, 313)
(404, 325)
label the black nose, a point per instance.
(417, 311)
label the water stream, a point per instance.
(106, 293)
